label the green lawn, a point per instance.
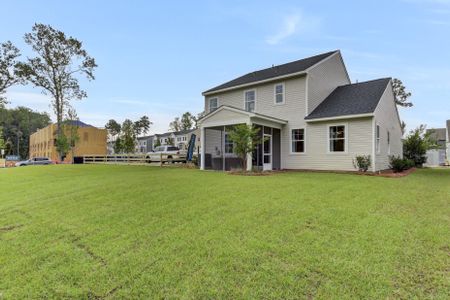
(146, 232)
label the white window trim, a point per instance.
(245, 99)
(345, 139)
(284, 95)
(304, 141)
(209, 104)
(377, 138)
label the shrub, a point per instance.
(362, 162)
(417, 143)
(399, 164)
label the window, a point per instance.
(377, 145)
(389, 142)
(213, 104)
(279, 93)
(85, 136)
(298, 140)
(228, 144)
(250, 98)
(337, 138)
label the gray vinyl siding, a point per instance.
(386, 117)
(324, 78)
(292, 109)
(317, 156)
(293, 106)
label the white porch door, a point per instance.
(267, 152)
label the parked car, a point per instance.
(167, 153)
(34, 161)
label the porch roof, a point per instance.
(229, 115)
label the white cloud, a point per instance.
(293, 24)
(35, 101)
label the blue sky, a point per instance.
(156, 57)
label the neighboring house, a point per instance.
(177, 138)
(311, 115)
(448, 140)
(144, 144)
(92, 141)
(439, 156)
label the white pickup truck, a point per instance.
(167, 153)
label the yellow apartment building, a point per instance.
(92, 140)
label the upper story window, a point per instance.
(279, 93)
(337, 138)
(250, 99)
(213, 104)
(298, 140)
(377, 145)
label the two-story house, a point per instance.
(177, 138)
(310, 115)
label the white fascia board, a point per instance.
(340, 118)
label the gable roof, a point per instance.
(351, 99)
(273, 72)
(244, 112)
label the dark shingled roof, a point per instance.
(175, 133)
(351, 99)
(280, 70)
(78, 123)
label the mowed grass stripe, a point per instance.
(147, 232)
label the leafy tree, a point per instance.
(62, 144)
(18, 124)
(113, 128)
(8, 68)
(170, 141)
(175, 125)
(417, 143)
(59, 58)
(126, 134)
(118, 145)
(128, 137)
(157, 142)
(2, 141)
(403, 127)
(142, 126)
(245, 138)
(71, 130)
(187, 121)
(400, 93)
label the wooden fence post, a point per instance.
(160, 160)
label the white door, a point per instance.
(267, 152)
